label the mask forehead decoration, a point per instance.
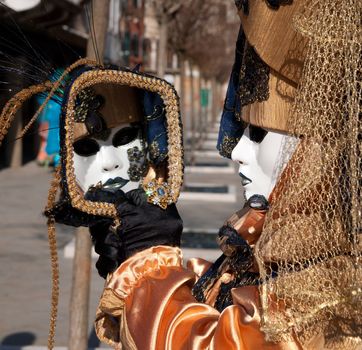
(104, 106)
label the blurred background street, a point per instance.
(189, 43)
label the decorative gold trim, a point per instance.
(52, 240)
(55, 86)
(175, 152)
(15, 103)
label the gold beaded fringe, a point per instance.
(54, 259)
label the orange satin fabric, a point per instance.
(157, 311)
(198, 266)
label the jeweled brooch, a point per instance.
(158, 194)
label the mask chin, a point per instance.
(261, 184)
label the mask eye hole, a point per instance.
(124, 136)
(256, 134)
(86, 147)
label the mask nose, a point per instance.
(244, 151)
(109, 159)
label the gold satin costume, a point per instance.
(147, 304)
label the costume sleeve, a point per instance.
(147, 304)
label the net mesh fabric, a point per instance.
(309, 253)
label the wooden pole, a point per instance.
(192, 114)
(185, 120)
(184, 112)
(200, 133)
(162, 46)
(100, 16)
(215, 100)
(79, 300)
(16, 149)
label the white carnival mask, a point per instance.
(258, 152)
(117, 161)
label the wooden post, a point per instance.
(162, 46)
(184, 112)
(185, 120)
(100, 16)
(16, 149)
(215, 100)
(200, 132)
(79, 300)
(192, 114)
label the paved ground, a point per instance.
(24, 258)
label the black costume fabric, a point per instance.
(64, 213)
(274, 4)
(143, 225)
(238, 264)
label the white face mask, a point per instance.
(258, 162)
(116, 162)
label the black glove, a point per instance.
(108, 246)
(231, 243)
(64, 213)
(99, 194)
(143, 225)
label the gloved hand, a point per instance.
(143, 225)
(64, 213)
(100, 194)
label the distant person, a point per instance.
(49, 129)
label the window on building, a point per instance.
(146, 52)
(137, 4)
(169, 59)
(124, 5)
(125, 47)
(134, 45)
